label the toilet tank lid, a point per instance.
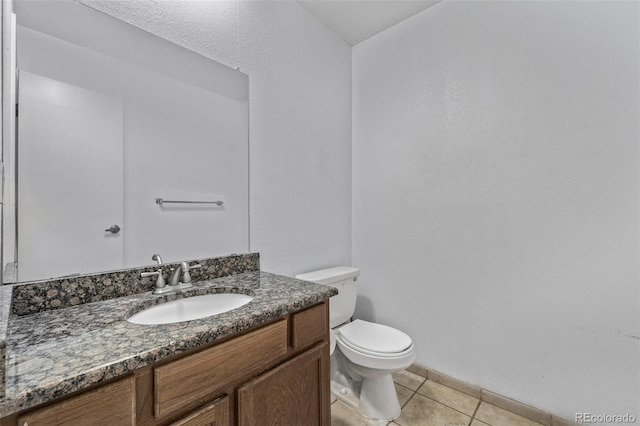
(330, 275)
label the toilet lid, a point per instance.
(373, 337)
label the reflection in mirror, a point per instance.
(110, 118)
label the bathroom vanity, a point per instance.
(264, 363)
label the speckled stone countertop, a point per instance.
(52, 353)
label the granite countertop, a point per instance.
(53, 353)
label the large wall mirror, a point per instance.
(110, 119)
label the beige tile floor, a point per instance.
(427, 403)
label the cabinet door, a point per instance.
(109, 405)
(214, 414)
(295, 393)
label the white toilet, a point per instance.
(364, 355)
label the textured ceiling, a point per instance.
(357, 20)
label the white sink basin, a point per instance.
(191, 308)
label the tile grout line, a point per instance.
(413, 393)
(425, 380)
(475, 411)
(446, 405)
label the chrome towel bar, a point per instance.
(162, 201)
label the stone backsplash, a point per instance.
(33, 297)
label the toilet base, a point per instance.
(344, 387)
(373, 398)
(378, 398)
(348, 395)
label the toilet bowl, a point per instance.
(371, 353)
(364, 355)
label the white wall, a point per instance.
(300, 117)
(495, 196)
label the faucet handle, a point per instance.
(186, 276)
(160, 281)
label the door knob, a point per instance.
(114, 229)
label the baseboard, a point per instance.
(516, 407)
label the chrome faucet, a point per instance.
(183, 269)
(176, 283)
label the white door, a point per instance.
(70, 179)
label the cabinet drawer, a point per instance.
(309, 326)
(196, 376)
(214, 414)
(111, 404)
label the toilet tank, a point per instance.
(345, 279)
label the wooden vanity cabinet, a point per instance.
(273, 374)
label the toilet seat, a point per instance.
(374, 339)
(396, 353)
(389, 363)
(377, 354)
